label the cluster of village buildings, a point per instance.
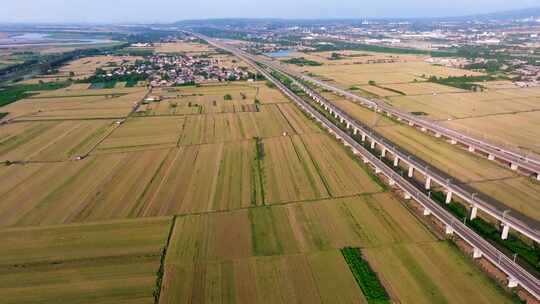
(172, 70)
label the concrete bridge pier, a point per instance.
(411, 171)
(505, 231)
(448, 197)
(348, 125)
(411, 123)
(427, 212)
(365, 160)
(372, 144)
(453, 141)
(491, 157)
(407, 196)
(363, 137)
(477, 253)
(538, 176)
(377, 170)
(474, 212)
(512, 282)
(428, 183)
(438, 135)
(396, 161)
(391, 182)
(383, 152)
(514, 167)
(471, 149)
(355, 132)
(449, 230)
(423, 129)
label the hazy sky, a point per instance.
(172, 10)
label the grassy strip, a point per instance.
(259, 158)
(14, 93)
(366, 278)
(161, 271)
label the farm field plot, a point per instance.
(203, 178)
(384, 73)
(293, 249)
(298, 120)
(289, 171)
(341, 174)
(518, 130)
(113, 262)
(520, 193)
(74, 107)
(86, 66)
(377, 91)
(140, 133)
(465, 105)
(95, 189)
(167, 107)
(348, 57)
(321, 277)
(423, 88)
(431, 273)
(366, 221)
(51, 141)
(213, 128)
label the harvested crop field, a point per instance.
(113, 262)
(432, 273)
(467, 105)
(51, 141)
(383, 73)
(293, 249)
(518, 130)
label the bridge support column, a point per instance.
(504, 234)
(399, 119)
(448, 197)
(514, 167)
(474, 212)
(427, 212)
(538, 176)
(491, 157)
(411, 123)
(453, 141)
(355, 131)
(377, 170)
(372, 144)
(396, 161)
(476, 253)
(423, 129)
(365, 160)
(438, 135)
(348, 125)
(449, 230)
(428, 183)
(471, 149)
(326, 108)
(407, 196)
(411, 171)
(512, 282)
(388, 114)
(341, 119)
(363, 137)
(383, 152)
(391, 182)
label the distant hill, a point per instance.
(509, 15)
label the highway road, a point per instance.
(515, 272)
